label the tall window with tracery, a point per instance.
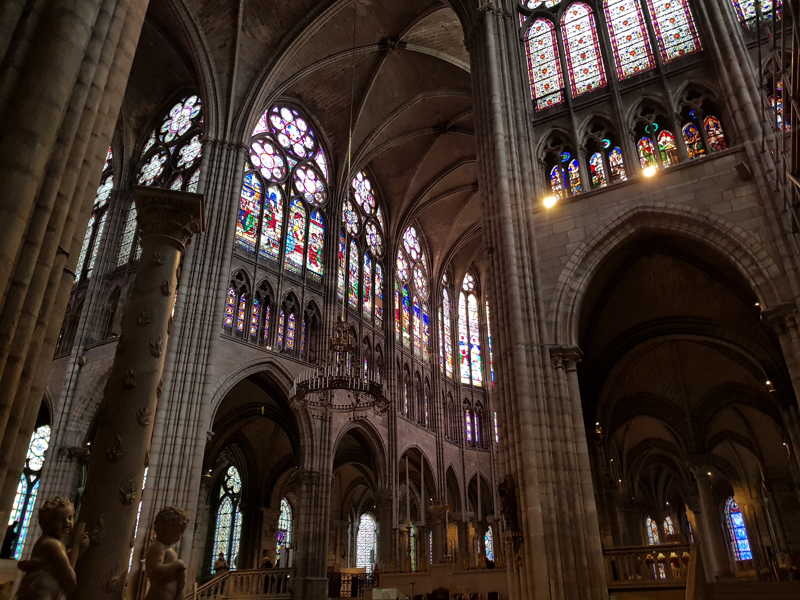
(737, 531)
(490, 344)
(284, 534)
(675, 30)
(488, 544)
(27, 491)
(284, 192)
(582, 49)
(629, 38)
(469, 334)
(651, 530)
(228, 521)
(360, 254)
(544, 64)
(97, 222)
(367, 543)
(412, 320)
(446, 330)
(669, 526)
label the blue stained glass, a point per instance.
(750, 12)
(316, 243)
(296, 237)
(227, 531)
(737, 531)
(574, 171)
(28, 487)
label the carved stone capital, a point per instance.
(565, 357)
(170, 215)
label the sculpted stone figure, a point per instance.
(167, 574)
(50, 572)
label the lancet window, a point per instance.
(651, 530)
(737, 531)
(19, 520)
(284, 534)
(412, 320)
(446, 330)
(97, 221)
(360, 266)
(367, 542)
(469, 333)
(228, 519)
(752, 12)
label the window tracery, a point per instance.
(228, 519)
(360, 253)
(469, 335)
(28, 488)
(582, 49)
(367, 542)
(412, 320)
(446, 330)
(97, 221)
(651, 529)
(751, 12)
(284, 192)
(737, 531)
(673, 23)
(629, 38)
(172, 155)
(284, 534)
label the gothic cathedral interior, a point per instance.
(400, 299)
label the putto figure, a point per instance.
(167, 574)
(50, 572)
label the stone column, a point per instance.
(544, 448)
(384, 504)
(710, 530)
(311, 555)
(438, 524)
(125, 421)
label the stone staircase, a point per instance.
(753, 590)
(260, 584)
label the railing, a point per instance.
(265, 584)
(647, 566)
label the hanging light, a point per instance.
(341, 370)
(550, 201)
(650, 171)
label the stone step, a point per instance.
(753, 590)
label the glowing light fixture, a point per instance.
(650, 171)
(550, 201)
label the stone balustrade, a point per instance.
(263, 584)
(664, 565)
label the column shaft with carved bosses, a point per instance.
(125, 419)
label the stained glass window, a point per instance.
(750, 12)
(230, 308)
(715, 137)
(412, 282)
(776, 102)
(129, 236)
(585, 64)
(469, 336)
(284, 534)
(597, 170)
(28, 488)
(490, 344)
(367, 294)
(488, 543)
(544, 67)
(574, 171)
(97, 222)
(629, 39)
(352, 277)
(737, 531)
(468, 424)
(378, 293)
(446, 329)
(362, 232)
(285, 182)
(651, 529)
(496, 427)
(255, 319)
(616, 164)
(674, 27)
(669, 527)
(281, 329)
(647, 152)
(241, 314)
(693, 140)
(667, 149)
(172, 155)
(558, 179)
(366, 543)
(296, 237)
(341, 255)
(463, 339)
(228, 527)
(291, 331)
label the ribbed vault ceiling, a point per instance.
(408, 65)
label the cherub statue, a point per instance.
(50, 572)
(167, 574)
